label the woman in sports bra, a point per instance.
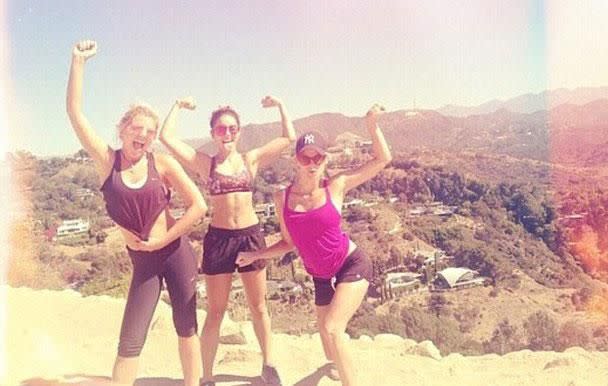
(309, 212)
(234, 224)
(135, 187)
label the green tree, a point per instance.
(505, 338)
(541, 332)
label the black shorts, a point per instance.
(357, 266)
(221, 247)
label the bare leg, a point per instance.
(190, 356)
(254, 284)
(218, 290)
(125, 370)
(325, 341)
(345, 302)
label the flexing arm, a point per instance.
(279, 248)
(99, 151)
(381, 152)
(194, 161)
(172, 171)
(272, 150)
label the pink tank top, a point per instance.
(318, 237)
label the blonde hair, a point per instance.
(134, 110)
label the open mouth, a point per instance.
(229, 141)
(137, 145)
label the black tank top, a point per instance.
(135, 209)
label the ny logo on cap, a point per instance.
(309, 139)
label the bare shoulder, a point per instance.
(337, 183)
(165, 164)
(202, 156)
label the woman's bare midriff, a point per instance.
(233, 210)
(162, 224)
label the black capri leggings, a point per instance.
(176, 263)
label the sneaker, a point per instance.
(270, 376)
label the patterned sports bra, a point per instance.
(219, 183)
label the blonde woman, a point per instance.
(310, 214)
(136, 188)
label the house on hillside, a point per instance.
(402, 282)
(416, 211)
(352, 203)
(265, 210)
(444, 210)
(573, 218)
(83, 193)
(434, 208)
(458, 277)
(435, 257)
(72, 229)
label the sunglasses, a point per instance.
(137, 129)
(221, 130)
(305, 160)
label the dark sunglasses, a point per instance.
(222, 130)
(305, 160)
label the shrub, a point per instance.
(541, 332)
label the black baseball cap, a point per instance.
(311, 140)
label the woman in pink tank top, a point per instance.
(309, 212)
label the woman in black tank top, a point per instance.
(135, 189)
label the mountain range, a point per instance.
(573, 133)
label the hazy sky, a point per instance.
(318, 56)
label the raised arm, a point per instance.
(381, 152)
(192, 160)
(97, 148)
(174, 174)
(269, 152)
(279, 248)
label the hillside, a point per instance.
(567, 134)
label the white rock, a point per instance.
(560, 362)
(426, 349)
(248, 331)
(388, 339)
(455, 356)
(409, 342)
(230, 333)
(365, 338)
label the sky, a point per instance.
(317, 56)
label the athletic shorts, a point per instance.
(357, 266)
(222, 246)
